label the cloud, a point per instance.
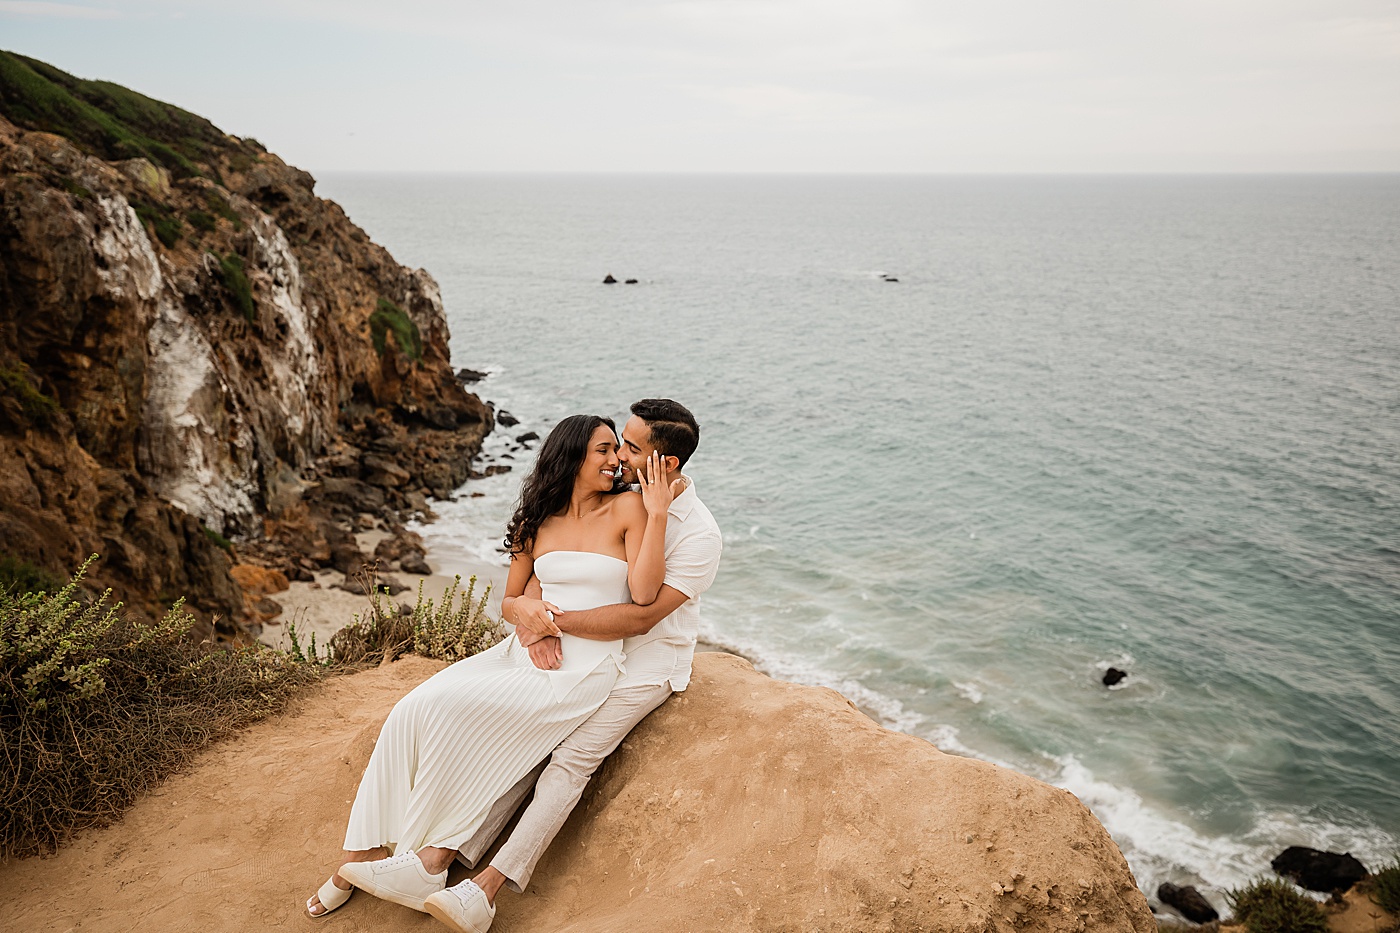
(56, 10)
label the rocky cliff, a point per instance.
(194, 348)
(742, 804)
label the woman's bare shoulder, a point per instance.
(627, 505)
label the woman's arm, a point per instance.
(646, 540)
(521, 610)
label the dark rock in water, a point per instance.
(505, 419)
(469, 376)
(527, 437)
(1317, 870)
(1189, 902)
(890, 278)
(609, 280)
(496, 469)
(630, 282)
(1113, 676)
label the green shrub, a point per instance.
(387, 317)
(201, 221)
(1385, 887)
(38, 408)
(236, 281)
(1271, 905)
(96, 707)
(166, 226)
(17, 574)
(220, 206)
(75, 189)
(217, 538)
(104, 118)
(453, 628)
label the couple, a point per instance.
(603, 591)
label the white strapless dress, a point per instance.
(458, 741)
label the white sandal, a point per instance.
(331, 895)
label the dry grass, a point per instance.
(96, 708)
(450, 629)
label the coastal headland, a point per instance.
(215, 380)
(744, 803)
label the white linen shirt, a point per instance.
(693, 544)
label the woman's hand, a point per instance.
(533, 615)
(658, 489)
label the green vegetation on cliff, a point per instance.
(387, 317)
(105, 118)
(34, 406)
(1385, 887)
(236, 281)
(95, 707)
(1271, 905)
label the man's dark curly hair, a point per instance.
(547, 489)
(674, 430)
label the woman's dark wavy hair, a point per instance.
(547, 489)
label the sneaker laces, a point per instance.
(403, 858)
(467, 891)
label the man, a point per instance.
(659, 643)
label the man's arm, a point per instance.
(620, 620)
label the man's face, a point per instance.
(636, 448)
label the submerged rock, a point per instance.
(469, 376)
(1189, 902)
(1316, 870)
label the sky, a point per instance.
(788, 86)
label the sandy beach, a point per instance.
(321, 608)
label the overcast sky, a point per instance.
(759, 85)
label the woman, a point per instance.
(459, 740)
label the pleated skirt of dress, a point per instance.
(458, 741)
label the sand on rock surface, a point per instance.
(743, 804)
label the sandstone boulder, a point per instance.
(258, 581)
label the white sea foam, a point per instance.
(969, 691)
(1160, 848)
(886, 710)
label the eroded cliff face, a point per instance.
(201, 353)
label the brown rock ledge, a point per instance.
(743, 804)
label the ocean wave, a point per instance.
(1159, 848)
(884, 709)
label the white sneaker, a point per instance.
(463, 907)
(399, 878)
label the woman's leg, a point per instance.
(314, 905)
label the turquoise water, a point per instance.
(1143, 421)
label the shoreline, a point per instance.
(321, 609)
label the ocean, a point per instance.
(1150, 422)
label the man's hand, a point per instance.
(532, 616)
(547, 653)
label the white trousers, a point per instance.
(559, 782)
